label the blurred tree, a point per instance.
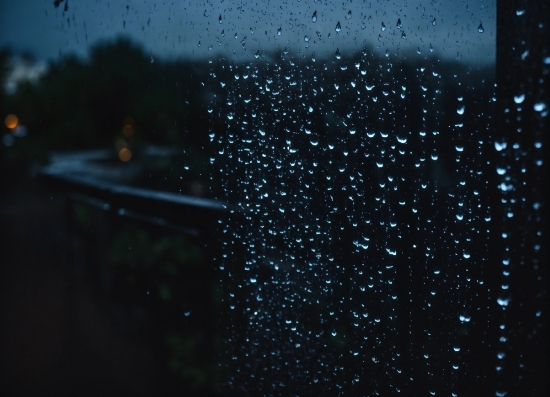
(4, 70)
(79, 104)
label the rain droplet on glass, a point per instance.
(519, 98)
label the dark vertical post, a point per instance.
(520, 205)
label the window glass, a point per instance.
(382, 230)
(351, 147)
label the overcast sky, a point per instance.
(170, 29)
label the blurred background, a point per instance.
(68, 327)
(94, 304)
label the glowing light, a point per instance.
(11, 121)
(128, 130)
(125, 154)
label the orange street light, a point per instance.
(128, 130)
(11, 121)
(125, 154)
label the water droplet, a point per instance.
(456, 349)
(220, 18)
(153, 61)
(314, 17)
(520, 12)
(480, 28)
(539, 107)
(399, 24)
(348, 16)
(306, 38)
(338, 27)
(460, 110)
(500, 146)
(464, 319)
(519, 98)
(279, 31)
(503, 301)
(383, 27)
(431, 48)
(337, 54)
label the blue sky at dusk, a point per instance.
(240, 29)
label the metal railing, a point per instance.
(93, 183)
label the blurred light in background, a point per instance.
(11, 121)
(128, 129)
(125, 154)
